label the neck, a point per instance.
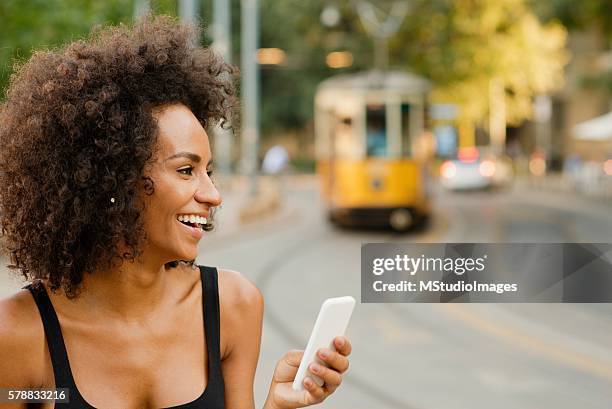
(133, 291)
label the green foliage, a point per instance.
(287, 91)
(42, 24)
(460, 44)
(587, 15)
(464, 45)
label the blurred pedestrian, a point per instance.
(274, 164)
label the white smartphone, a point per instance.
(331, 322)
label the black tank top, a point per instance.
(213, 395)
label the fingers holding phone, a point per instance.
(335, 364)
(304, 378)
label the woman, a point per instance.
(104, 189)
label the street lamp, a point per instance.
(330, 16)
(271, 56)
(339, 59)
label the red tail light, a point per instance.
(469, 154)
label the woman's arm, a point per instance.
(241, 321)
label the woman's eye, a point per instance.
(209, 173)
(188, 171)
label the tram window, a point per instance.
(376, 130)
(344, 140)
(406, 130)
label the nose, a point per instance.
(207, 192)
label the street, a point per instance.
(431, 356)
(425, 356)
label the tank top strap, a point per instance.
(55, 340)
(212, 320)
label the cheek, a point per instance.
(157, 213)
(170, 196)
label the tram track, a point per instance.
(273, 267)
(311, 237)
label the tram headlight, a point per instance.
(448, 170)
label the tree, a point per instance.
(41, 24)
(461, 45)
(464, 45)
(578, 16)
(595, 15)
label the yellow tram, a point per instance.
(368, 126)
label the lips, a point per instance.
(195, 232)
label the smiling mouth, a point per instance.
(192, 225)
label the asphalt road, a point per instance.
(432, 356)
(426, 356)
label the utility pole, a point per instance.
(497, 116)
(188, 11)
(250, 90)
(542, 107)
(222, 33)
(223, 136)
(141, 8)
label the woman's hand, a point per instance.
(282, 395)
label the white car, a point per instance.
(474, 174)
(476, 169)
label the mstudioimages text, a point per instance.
(413, 265)
(441, 286)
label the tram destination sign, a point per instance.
(486, 272)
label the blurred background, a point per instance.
(400, 121)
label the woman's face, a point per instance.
(183, 189)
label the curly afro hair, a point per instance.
(77, 130)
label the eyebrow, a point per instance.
(189, 155)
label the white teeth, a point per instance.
(192, 219)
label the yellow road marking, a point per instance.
(549, 350)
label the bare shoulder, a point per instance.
(241, 305)
(22, 341)
(238, 292)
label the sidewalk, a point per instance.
(600, 191)
(242, 210)
(555, 193)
